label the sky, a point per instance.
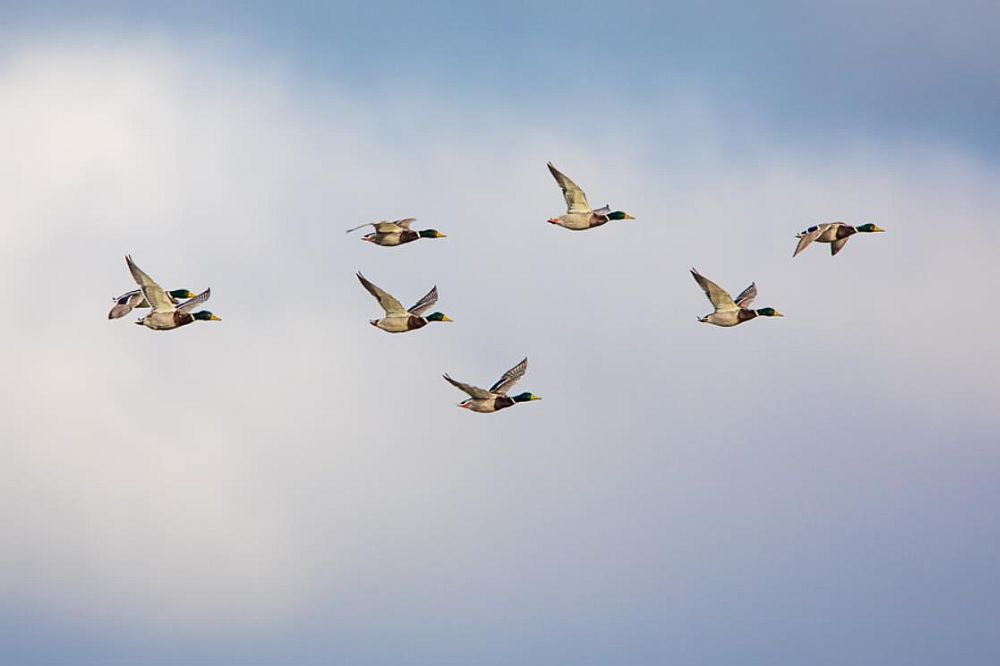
(290, 485)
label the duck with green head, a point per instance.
(397, 319)
(728, 312)
(578, 215)
(166, 314)
(496, 398)
(398, 232)
(835, 233)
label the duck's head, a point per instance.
(182, 294)
(205, 315)
(438, 316)
(431, 233)
(768, 312)
(524, 397)
(869, 228)
(619, 215)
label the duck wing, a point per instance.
(391, 306)
(124, 304)
(152, 292)
(837, 245)
(510, 377)
(719, 297)
(808, 236)
(576, 200)
(747, 295)
(191, 304)
(473, 391)
(425, 303)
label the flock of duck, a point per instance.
(167, 311)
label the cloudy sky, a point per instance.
(290, 485)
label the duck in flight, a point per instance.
(397, 319)
(398, 232)
(579, 216)
(835, 233)
(496, 398)
(727, 311)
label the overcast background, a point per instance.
(290, 485)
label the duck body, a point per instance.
(399, 324)
(728, 318)
(835, 233)
(487, 405)
(165, 321)
(391, 239)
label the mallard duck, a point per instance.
(134, 299)
(395, 233)
(835, 233)
(495, 399)
(397, 319)
(727, 311)
(579, 216)
(165, 314)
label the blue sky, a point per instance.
(291, 485)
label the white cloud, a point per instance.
(289, 456)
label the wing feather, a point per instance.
(747, 295)
(808, 236)
(510, 377)
(576, 200)
(473, 391)
(154, 294)
(425, 303)
(719, 297)
(391, 306)
(190, 305)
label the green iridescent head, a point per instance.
(431, 233)
(869, 228)
(205, 315)
(769, 312)
(181, 294)
(438, 316)
(524, 397)
(619, 215)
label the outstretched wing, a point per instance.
(405, 224)
(362, 226)
(510, 377)
(154, 294)
(125, 303)
(747, 295)
(719, 297)
(425, 303)
(808, 236)
(387, 301)
(190, 305)
(576, 200)
(473, 391)
(837, 245)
